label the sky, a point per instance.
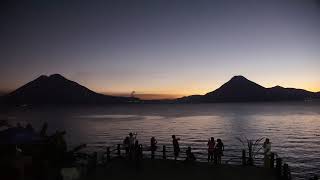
(161, 48)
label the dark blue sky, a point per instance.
(161, 47)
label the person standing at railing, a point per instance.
(211, 144)
(190, 156)
(137, 154)
(126, 145)
(137, 151)
(218, 151)
(176, 147)
(132, 140)
(267, 152)
(153, 144)
(43, 131)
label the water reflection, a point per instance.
(292, 128)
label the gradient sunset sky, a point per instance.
(161, 47)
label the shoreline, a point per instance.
(170, 169)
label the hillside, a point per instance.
(56, 89)
(240, 89)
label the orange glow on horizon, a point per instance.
(178, 93)
(177, 90)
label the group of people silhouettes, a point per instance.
(215, 150)
(134, 150)
(176, 150)
(132, 147)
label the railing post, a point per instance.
(250, 159)
(95, 159)
(278, 165)
(141, 151)
(244, 159)
(286, 171)
(272, 160)
(152, 153)
(108, 154)
(118, 150)
(164, 156)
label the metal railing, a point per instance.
(166, 152)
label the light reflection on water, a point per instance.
(293, 128)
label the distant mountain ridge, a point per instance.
(56, 89)
(237, 88)
(240, 89)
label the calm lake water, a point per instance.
(293, 128)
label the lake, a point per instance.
(293, 128)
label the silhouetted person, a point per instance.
(19, 126)
(190, 156)
(137, 151)
(43, 131)
(153, 144)
(29, 127)
(219, 151)
(267, 152)
(137, 154)
(132, 140)
(211, 144)
(126, 145)
(176, 147)
(4, 123)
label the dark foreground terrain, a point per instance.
(168, 169)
